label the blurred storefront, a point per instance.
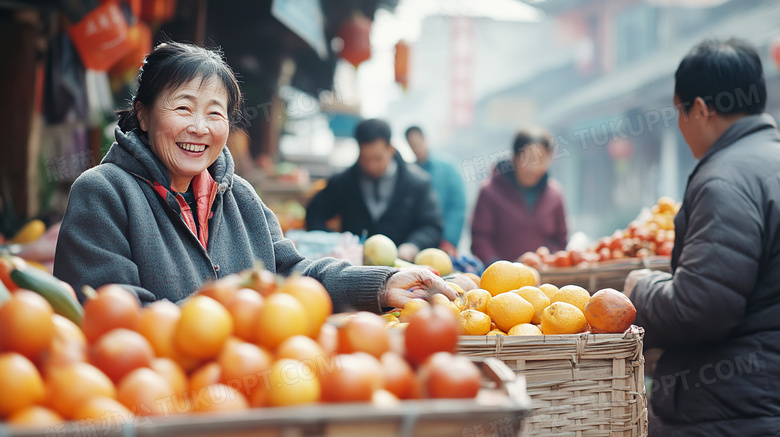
(72, 64)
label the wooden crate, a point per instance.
(580, 385)
(609, 274)
(502, 403)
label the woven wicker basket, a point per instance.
(610, 274)
(580, 385)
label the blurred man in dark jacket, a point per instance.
(380, 194)
(717, 316)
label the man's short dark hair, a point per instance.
(368, 131)
(413, 129)
(727, 74)
(526, 137)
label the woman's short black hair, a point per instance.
(535, 135)
(172, 64)
(727, 74)
(368, 131)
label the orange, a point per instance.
(222, 290)
(114, 307)
(26, 324)
(440, 299)
(173, 373)
(574, 295)
(203, 328)
(71, 385)
(411, 308)
(503, 276)
(509, 309)
(146, 393)
(313, 296)
(34, 417)
(477, 299)
(20, 383)
(610, 311)
(303, 349)
(292, 382)
(157, 323)
(473, 322)
(280, 318)
(69, 345)
(563, 318)
(103, 410)
(219, 397)
(244, 308)
(205, 376)
(243, 365)
(537, 298)
(525, 329)
(549, 290)
(496, 332)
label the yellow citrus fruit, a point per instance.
(525, 329)
(496, 332)
(537, 298)
(509, 309)
(549, 290)
(411, 308)
(280, 318)
(563, 318)
(313, 296)
(440, 299)
(458, 289)
(503, 276)
(389, 318)
(477, 299)
(574, 295)
(292, 382)
(473, 322)
(21, 385)
(203, 327)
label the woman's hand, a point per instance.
(413, 283)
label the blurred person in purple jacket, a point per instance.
(520, 208)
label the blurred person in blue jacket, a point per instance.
(447, 183)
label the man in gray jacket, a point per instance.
(717, 316)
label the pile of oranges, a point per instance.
(507, 302)
(249, 340)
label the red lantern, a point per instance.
(157, 11)
(355, 33)
(140, 36)
(402, 63)
(101, 37)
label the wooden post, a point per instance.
(19, 45)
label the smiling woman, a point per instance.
(164, 211)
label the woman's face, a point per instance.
(531, 164)
(187, 128)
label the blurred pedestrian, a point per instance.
(521, 206)
(717, 315)
(447, 183)
(380, 194)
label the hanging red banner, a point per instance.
(101, 38)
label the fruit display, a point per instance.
(510, 303)
(251, 340)
(641, 239)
